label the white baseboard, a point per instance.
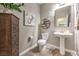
(25, 51)
(49, 45)
(70, 51)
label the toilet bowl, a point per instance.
(42, 42)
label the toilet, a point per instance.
(42, 42)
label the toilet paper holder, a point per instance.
(30, 38)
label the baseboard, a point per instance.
(49, 45)
(25, 51)
(70, 51)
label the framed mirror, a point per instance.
(62, 16)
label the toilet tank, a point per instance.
(45, 36)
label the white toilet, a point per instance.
(42, 42)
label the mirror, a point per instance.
(62, 16)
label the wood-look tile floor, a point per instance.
(45, 52)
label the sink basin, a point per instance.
(62, 36)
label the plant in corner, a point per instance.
(12, 6)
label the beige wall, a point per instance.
(26, 31)
(46, 10)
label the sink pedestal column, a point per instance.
(62, 45)
(63, 36)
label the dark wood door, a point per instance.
(15, 36)
(5, 35)
(9, 35)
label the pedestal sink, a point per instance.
(62, 36)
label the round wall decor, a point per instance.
(45, 24)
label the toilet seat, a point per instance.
(41, 42)
(44, 39)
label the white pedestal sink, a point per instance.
(62, 36)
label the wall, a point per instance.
(26, 31)
(77, 30)
(47, 10)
